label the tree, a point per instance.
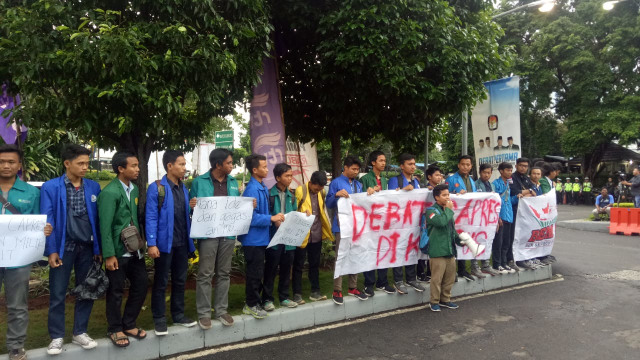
(579, 65)
(352, 69)
(137, 75)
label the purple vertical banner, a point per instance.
(8, 132)
(267, 129)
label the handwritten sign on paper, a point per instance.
(22, 239)
(293, 230)
(220, 216)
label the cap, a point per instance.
(586, 178)
(569, 179)
(577, 179)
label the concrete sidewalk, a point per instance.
(279, 321)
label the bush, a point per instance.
(100, 175)
(328, 256)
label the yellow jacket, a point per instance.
(306, 205)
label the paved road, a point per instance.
(593, 314)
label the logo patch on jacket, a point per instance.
(457, 185)
(94, 198)
(136, 201)
(432, 215)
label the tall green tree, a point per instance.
(355, 68)
(579, 66)
(139, 75)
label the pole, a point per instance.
(465, 131)
(426, 149)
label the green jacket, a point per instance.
(289, 204)
(202, 186)
(369, 181)
(442, 233)
(545, 185)
(26, 199)
(481, 188)
(116, 212)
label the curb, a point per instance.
(585, 225)
(281, 320)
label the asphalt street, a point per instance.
(593, 314)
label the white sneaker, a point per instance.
(85, 341)
(55, 347)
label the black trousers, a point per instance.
(254, 259)
(177, 263)
(423, 268)
(370, 278)
(132, 268)
(276, 257)
(410, 272)
(312, 254)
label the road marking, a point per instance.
(295, 334)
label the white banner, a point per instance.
(535, 226)
(22, 241)
(496, 124)
(293, 230)
(303, 160)
(219, 216)
(383, 230)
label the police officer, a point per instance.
(568, 191)
(577, 191)
(559, 189)
(586, 191)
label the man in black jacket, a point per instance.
(521, 184)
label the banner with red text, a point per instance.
(535, 226)
(383, 230)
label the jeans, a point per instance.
(254, 258)
(370, 278)
(506, 250)
(175, 262)
(636, 199)
(312, 253)
(132, 268)
(502, 237)
(215, 258)
(80, 260)
(16, 290)
(276, 257)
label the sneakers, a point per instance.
(502, 270)
(424, 278)
(475, 271)
(205, 323)
(337, 298)
(387, 288)
(449, 305)
(416, 286)
(255, 311)
(508, 269)
(466, 275)
(185, 321)
(85, 341)
(160, 327)
(489, 270)
(525, 265)
(401, 288)
(317, 296)
(552, 258)
(18, 354)
(512, 265)
(288, 303)
(368, 290)
(225, 319)
(359, 295)
(297, 298)
(268, 306)
(434, 307)
(55, 347)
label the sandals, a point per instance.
(137, 335)
(115, 338)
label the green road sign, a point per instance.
(224, 139)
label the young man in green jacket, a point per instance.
(373, 182)
(21, 198)
(281, 201)
(117, 209)
(216, 253)
(442, 249)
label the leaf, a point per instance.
(83, 24)
(182, 29)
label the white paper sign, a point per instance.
(220, 216)
(293, 230)
(22, 239)
(535, 230)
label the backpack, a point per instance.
(400, 182)
(424, 234)
(161, 195)
(272, 202)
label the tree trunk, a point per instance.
(336, 153)
(591, 161)
(139, 145)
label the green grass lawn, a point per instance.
(38, 336)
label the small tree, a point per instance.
(138, 75)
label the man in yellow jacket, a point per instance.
(311, 200)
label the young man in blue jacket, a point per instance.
(461, 183)
(281, 201)
(501, 243)
(342, 186)
(70, 203)
(254, 243)
(167, 228)
(18, 197)
(407, 182)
